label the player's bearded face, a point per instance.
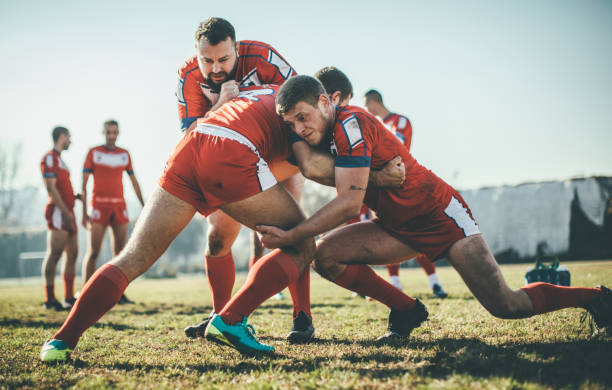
(218, 63)
(312, 123)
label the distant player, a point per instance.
(340, 90)
(207, 80)
(107, 163)
(224, 163)
(62, 234)
(425, 215)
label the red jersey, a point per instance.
(107, 167)
(361, 140)
(401, 127)
(52, 166)
(258, 63)
(253, 114)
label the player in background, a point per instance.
(107, 163)
(223, 163)
(425, 215)
(340, 90)
(402, 128)
(62, 234)
(207, 80)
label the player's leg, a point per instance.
(56, 242)
(474, 261)
(118, 238)
(219, 263)
(394, 278)
(430, 269)
(161, 220)
(271, 274)
(94, 243)
(342, 257)
(69, 270)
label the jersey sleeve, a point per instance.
(189, 97)
(405, 127)
(48, 166)
(274, 69)
(88, 166)
(129, 169)
(352, 147)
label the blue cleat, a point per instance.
(240, 336)
(55, 351)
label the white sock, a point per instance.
(433, 279)
(395, 282)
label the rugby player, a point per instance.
(62, 233)
(107, 163)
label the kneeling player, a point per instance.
(425, 215)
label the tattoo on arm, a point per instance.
(355, 188)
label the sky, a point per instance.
(498, 92)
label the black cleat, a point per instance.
(401, 323)
(302, 329)
(53, 305)
(124, 300)
(197, 330)
(67, 303)
(438, 291)
(600, 310)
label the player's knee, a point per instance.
(324, 261)
(217, 244)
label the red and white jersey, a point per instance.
(258, 63)
(361, 140)
(253, 115)
(401, 127)
(52, 166)
(107, 167)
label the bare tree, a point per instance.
(10, 159)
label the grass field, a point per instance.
(460, 346)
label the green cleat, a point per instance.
(240, 336)
(55, 351)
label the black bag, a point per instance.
(552, 273)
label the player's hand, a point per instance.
(78, 197)
(272, 237)
(86, 221)
(392, 174)
(229, 90)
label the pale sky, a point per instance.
(498, 92)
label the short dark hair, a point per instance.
(111, 122)
(57, 131)
(374, 95)
(215, 30)
(333, 79)
(297, 89)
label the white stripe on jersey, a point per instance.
(49, 160)
(459, 214)
(265, 176)
(353, 131)
(110, 159)
(283, 67)
(402, 122)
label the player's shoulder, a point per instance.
(248, 47)
(49, 156)
(190, 66)
(358, 114)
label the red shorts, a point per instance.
(109, 214)
(212, 166)
(434, 233)
(55, 218)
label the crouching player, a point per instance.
(425, 215)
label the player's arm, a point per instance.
(85, 219)
(50, 184)
(136, 188)
(319, 166)
(351, 184)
